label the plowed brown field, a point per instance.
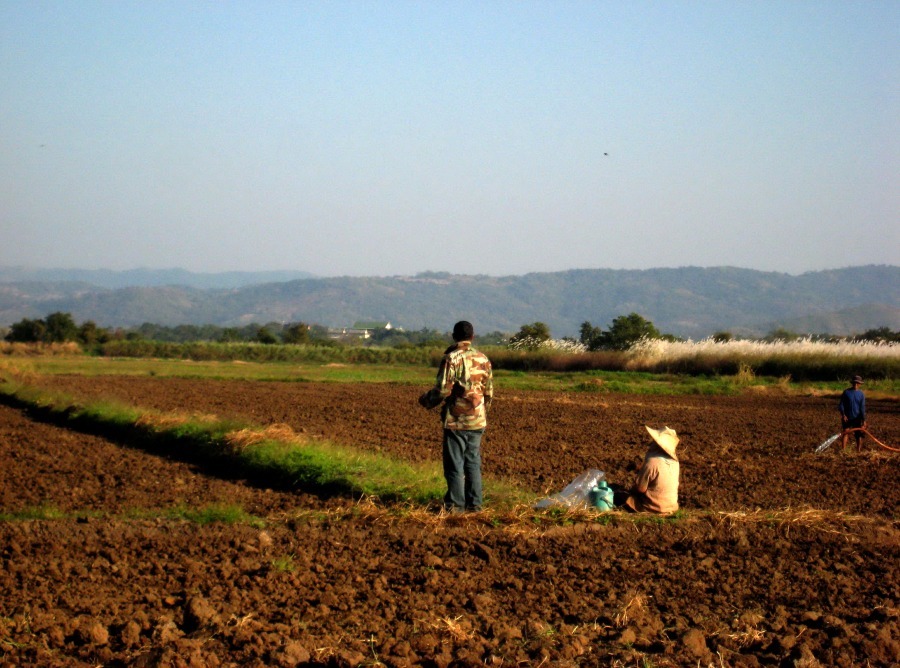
(784, 558)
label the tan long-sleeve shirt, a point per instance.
(656, 487)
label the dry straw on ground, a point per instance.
(633, 607)
(32, 349)
(281, 433)
(163, 421)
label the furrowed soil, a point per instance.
(781, 557)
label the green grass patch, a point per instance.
(342, 469)
(313, 353)
(284, 563)
(227, 514)
(644, 518)
(202, 515)
(577, 381)
(83, 365)
(42, 512)
(802, 360)
(224, 514)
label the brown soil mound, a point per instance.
(785, 557)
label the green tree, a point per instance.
(265, 335)
(149, 331)
(319, 333)
(531, 336)
(430, 338)
(781, 334)
(626, 330)
(60, 328)
(296, 333)
(27, 331)
(230, 335)
(591, 337)
(89, 333)
(495, 338)
(881, 334)
(722, 337)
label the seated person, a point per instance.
(656, 488)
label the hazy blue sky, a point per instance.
(384, 138)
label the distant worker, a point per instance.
(465, 386)
(655, 489)
(853, 413)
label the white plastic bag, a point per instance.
(576, 492)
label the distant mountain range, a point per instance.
(107, 278)
(687, 301)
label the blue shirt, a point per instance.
(853, 404)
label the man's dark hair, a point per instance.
(463, 331)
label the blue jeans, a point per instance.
(462, 469)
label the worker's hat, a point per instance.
(665, 438)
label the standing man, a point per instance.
(465, 385)
(853, 413)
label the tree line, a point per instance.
(621, 334)
(626, 330)
(61, 327)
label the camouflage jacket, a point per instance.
(465, 382)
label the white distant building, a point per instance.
(359, 330)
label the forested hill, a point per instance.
(687, 301)
(107, 278)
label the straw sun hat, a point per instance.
(665, 438)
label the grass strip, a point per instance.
(520, 520)
(203, 515)
(42, 512)
(576, 381)
(273, 456)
